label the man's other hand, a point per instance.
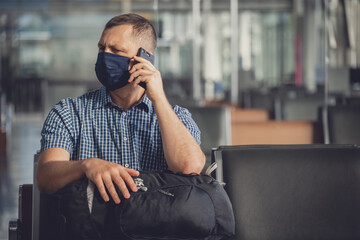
(105, 174)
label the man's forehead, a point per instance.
(119, 31)
(118, 35)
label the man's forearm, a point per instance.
(54, 175)
(182, 152)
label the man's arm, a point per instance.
(55, 171)
(181, 151)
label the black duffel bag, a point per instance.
(166, 206)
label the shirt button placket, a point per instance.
(125, 144)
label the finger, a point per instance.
(129, 181)
(131, 63)
(138, 73)
(144, 79)
(136, 68)
(122, 187)
(144, 64)
(137, 81)
(100, 186)
(110, 187)
(141, 60)
(132, 172)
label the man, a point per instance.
(120, 128)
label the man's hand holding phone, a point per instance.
(148, 56)
(144, 72)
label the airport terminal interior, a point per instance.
(251, 72)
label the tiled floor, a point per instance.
(23, 142)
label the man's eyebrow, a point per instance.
(123, 49)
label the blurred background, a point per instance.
(250, 71)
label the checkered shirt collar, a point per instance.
(105, 100)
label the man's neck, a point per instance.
(127, 96)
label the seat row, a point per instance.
(228, 125)
(277, 192)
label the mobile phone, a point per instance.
(148, 56)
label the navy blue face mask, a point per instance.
(112, 70)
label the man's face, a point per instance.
(119, 40)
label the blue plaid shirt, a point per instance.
(92, 126)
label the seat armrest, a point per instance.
(14, 229)
(20, 228)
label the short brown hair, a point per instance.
(141, 26)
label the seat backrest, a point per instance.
(259, 99)
(25, 211)
(344, 124)
(293, 192)
(339, 80)
(304, 108)
(45, 222)
(214, 124)
(36, 201)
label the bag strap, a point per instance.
(211, 168)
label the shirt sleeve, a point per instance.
(185, 117)
(57, 127)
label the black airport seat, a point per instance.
(21, 228)
(343, 124)
(215, 126)
(40, 223)
(292, 191)
(304, 108)
(352, 101)
(37, 218)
